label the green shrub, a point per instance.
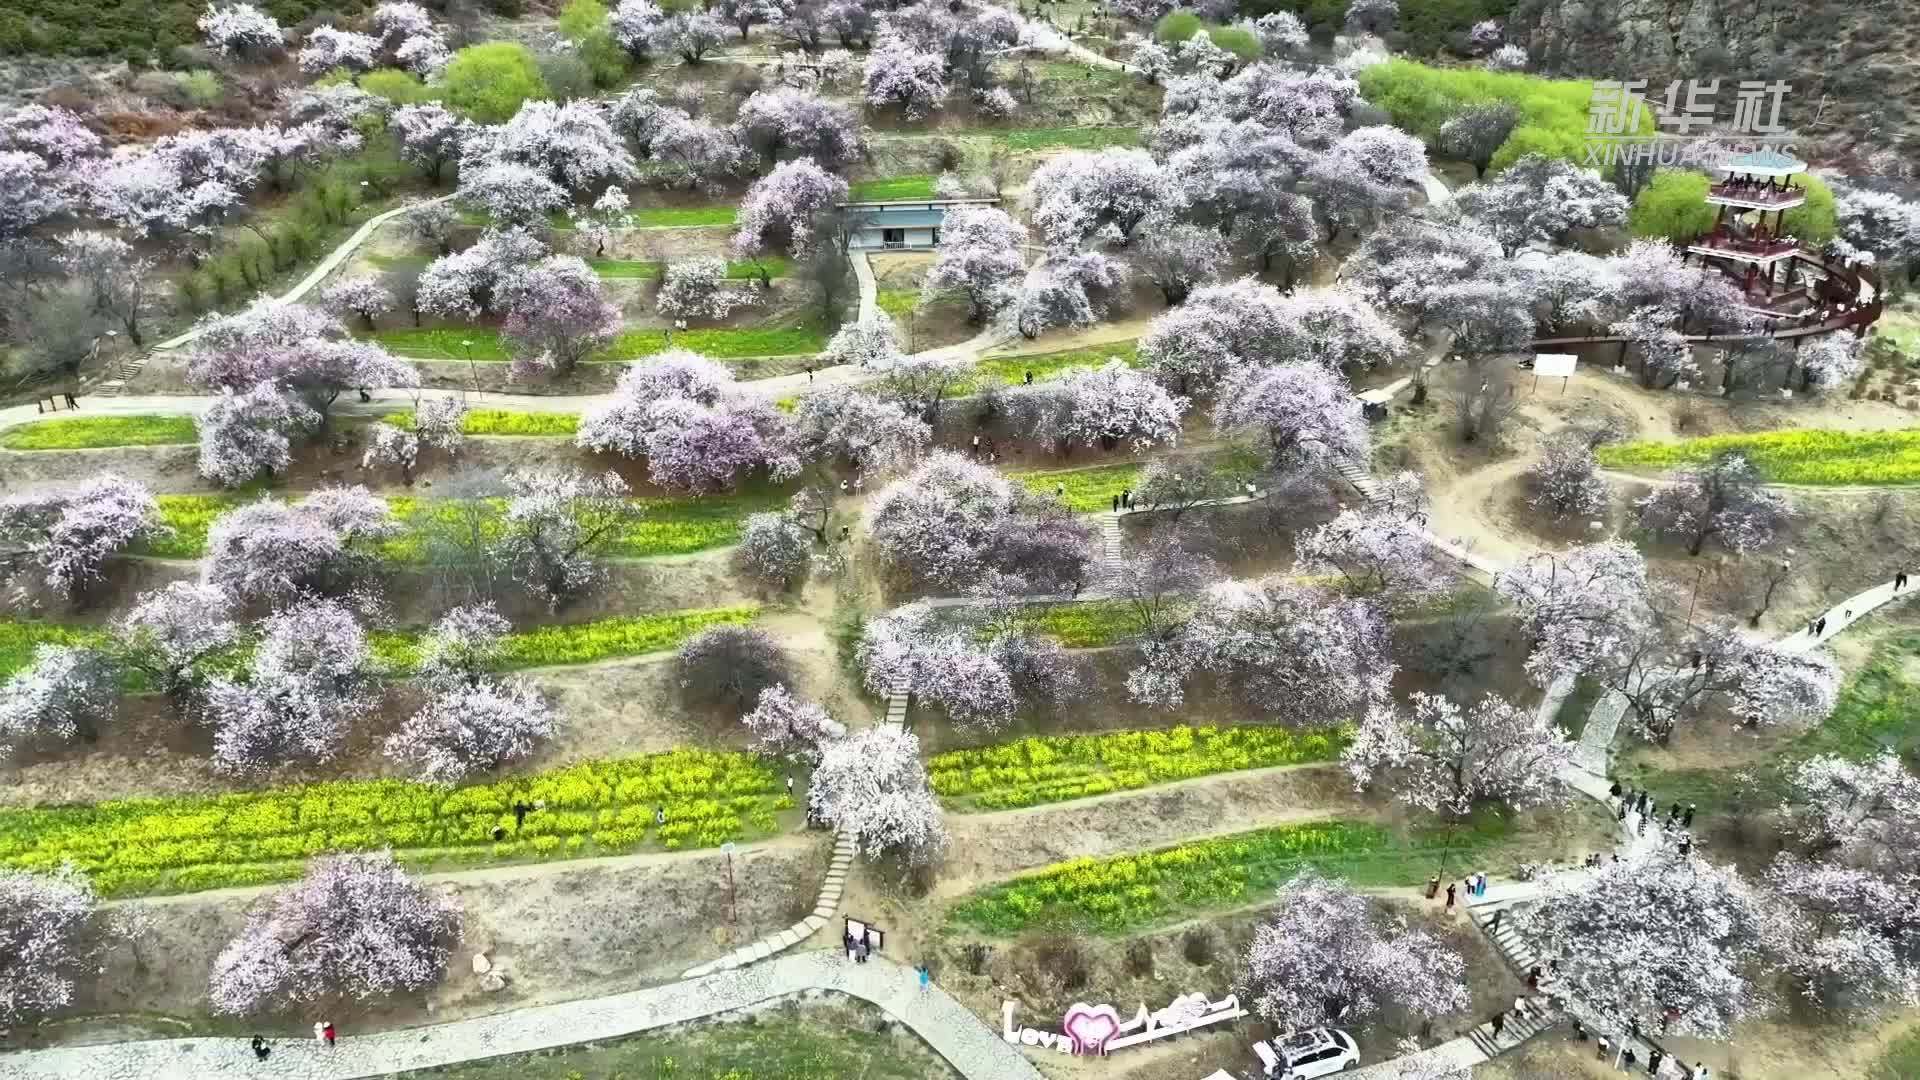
(1241, 43)
(1177, 26)
(201, 88)
(490, 82)
(1813, 220)
(399, 87)
(1673, 205)
(584, 22)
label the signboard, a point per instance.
(875, 937)
(1097, 1029)
(1554, 365)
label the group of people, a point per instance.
(1123, 501)
(1475, 884)
(323, 1032)
(859, 946)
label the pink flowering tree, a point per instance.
(356, 927)
(477, 278)
(58, 541)
(56, 135)
(1220, 329)
(363, 296)
(311, 678)
(1447, 759)
(1725, 498)
(510, 193)
(1565, 480)
(693, 153)
(1370, 170)
(1298, 655)
(120, 281)
(1662, 941)
(245, 433)
(1306, 415)
(1113, 403)
(557, 315)
(558, 524)
(781, 211)
(440, 422)
(785, 725)
(572, 145)
(901, 74)
(634, 24)
(240, 30)
(69, 692)
(776, 549)
(980, 256)
(933, 525)
(54, 927)
(872, 785)
(784, 121)
(1382, 550)
(856, 430)
(1324, 957)
(1069, 290)
(391, 447)
(301, 350)
(682, 413)
(277, 553)
(171, 631)
(1075, 195)
(31, 192)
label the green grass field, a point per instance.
(676, 526)
(1072, 138)
(637, 269)
(1087, 625)
(93, 432)
(892, 188)
(482, 344)
(1788, 457)
(503, 422)
(1046, 367)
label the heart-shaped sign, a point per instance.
(1090, 1026)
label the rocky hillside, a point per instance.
(1851, 63)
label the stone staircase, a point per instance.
(123, 373)
(1358, 475)
(824, 908)
(1106, 577)
(1521, 955)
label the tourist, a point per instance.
(1655, 1056)
(789, 785)
(1433, 886)
(319, 1031)
(1614, 791)
(1450, 888)
(520, 812)
(1499, 1023)
(1600, 1048)
(260, 1048)
(659, 815)
(1627, 1059)
(1899, 581)
(1686, 819)
(1029, 379)
(1059, 490)
(1493, 924)
(846, 938)
(926, 978)
(1116, 504)
(328, 1033)
(1126, 498)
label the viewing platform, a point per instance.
(1723, 243)
(1755, 195)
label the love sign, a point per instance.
(1097, 1029)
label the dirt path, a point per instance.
(993, 847)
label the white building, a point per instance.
(901, 225)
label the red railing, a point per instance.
(1762, 247)
(1757, 193)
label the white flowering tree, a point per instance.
(275, 552)
(327, 48)
(1379, 551)
(1565, 480)
(1725, 498)
(58, 541)
(853, 429)
(940, 525)
(302, 350)
(1178, 257)
(463, 284)
(69, 692)
(364, 296)
(356, 926)
(1069, 289)
(1660, 941)
(53, 928)
(781, 212)
(391, 447)
(245, 433)
(511, 193)
(557, 525)
(467, 728)
(1307, 416)
(784, 120)
(171, 630)
(1219, 330)
(1113, 403)
(872, 785)
(1447, 759)
(635, 24)
(1076, 195)
(980, 257)
(945, 667)
(697, 289)
(311, 677)
(1293, 653)
(240, 30)
(1830, 361)
(900, 74)
(1326, 958)
(1539, 199)
(572, 145)
(680, 413)
(121, 281)
(776, 549)
(1476, 132)
(431, 136)
(785, 725)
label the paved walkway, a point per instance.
(971, 1047)
(869, 288)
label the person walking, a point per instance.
(1493, 924)
(1499, 1023)
(1627, 1059)
(1623, 810)
(328, 1032)
(660, 815)
(1899, 581)
(846, 938)
(1614, 791)
(260, 1048)
(1059, 491)
(1686, 819)
(809, 372)
(1029, 378)
(1600, 1048)
(1116, 504)
(789, 785)
(1450, 888)
(1655, 1057)
(926, 978)
(1700, 1071)
(319, 1031)
(1126, 498)
(1433, 886)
